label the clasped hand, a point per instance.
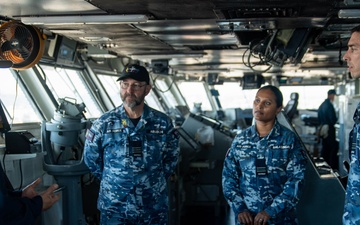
(247, 218)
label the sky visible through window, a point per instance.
(68, 83)
(231, 95)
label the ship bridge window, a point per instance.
(232, 95)
(67, 83)
(307, 98)
(165, 91)
(112, 87)
(151, 100)
(194, 93)
(15, 100)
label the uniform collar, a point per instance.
(275, 131)
(147, 113)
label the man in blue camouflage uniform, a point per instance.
(264, 168)
(133, 150)
(352, 199)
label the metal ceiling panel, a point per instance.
(200, 34)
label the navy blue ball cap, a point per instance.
(135, 72)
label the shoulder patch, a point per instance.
(89, 135)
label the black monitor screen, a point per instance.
(295, 42)
(66, 49)
(252, 81)
(4, 124)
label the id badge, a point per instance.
(136, 148)
(261, 169)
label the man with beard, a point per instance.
(133, 150)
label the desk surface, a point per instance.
(9, 157)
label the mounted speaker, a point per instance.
(252, 81)
(160, 66)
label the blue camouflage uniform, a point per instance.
(275, 189)
(352, 199)
(133, 165)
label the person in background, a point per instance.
(133, 150)
(263, 173)
(24, 206)
(327, 119)
(351, 214)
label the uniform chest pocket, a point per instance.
(154, 146)
(119, 136)
(278, 159)
(115, 144)
(247, 160)
(155, 138)
(246, 155)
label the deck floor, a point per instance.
(205, 215)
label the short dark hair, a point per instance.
(332, 92)
(355, 29)
(277, 93)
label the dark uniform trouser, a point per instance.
(330, 149)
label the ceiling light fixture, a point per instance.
(233, 25)
(167, 55)
(349, 13)
(195, 71)
(97, 52)
(84, 19)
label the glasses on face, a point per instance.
(135, 86)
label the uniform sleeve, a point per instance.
(231, 176)
(351, 214)
(171, 153)
(18, 210)
(93, 150)
(295, 170)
